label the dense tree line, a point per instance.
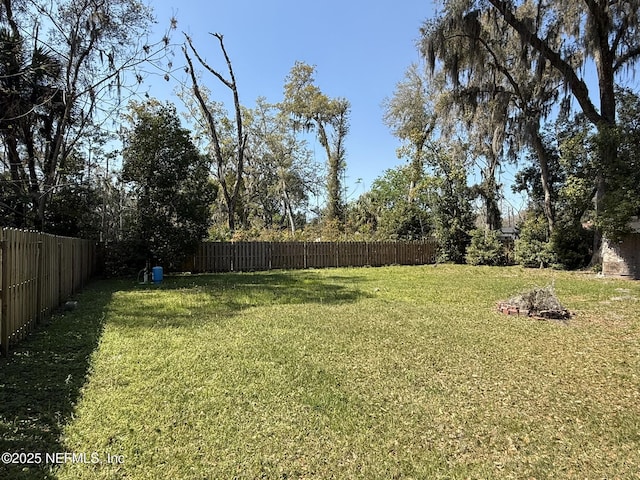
(504, 86)
(63, 66)
(80, 158)
(501, 86)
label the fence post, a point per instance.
(60, 292)
(4, 295)
(305, 255)
(73, 266)
(39, 283)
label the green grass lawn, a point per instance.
(374, 373)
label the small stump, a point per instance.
(540, 303)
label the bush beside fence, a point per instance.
(37, 273)
(254, 256)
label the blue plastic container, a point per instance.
(156, 274)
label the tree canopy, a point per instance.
(542, 90)
(310, 109)
(507, 67)
(170, 185)
(64, 66)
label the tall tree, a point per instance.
(604, 32)
(58, 84)
(410, 115)
(229, 169)
(397, 216)
(329, 117)
(281, 175)
(170, 180)
(624, 201)
(501, 91)
(450, 202)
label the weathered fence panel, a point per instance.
(214, 257)
(37, 272)
(253, 256)
(321, 255)
(288, 255)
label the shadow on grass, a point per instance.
(280, 287)
(181, 300)
(42, 379)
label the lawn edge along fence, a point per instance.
(38, 272)
(256, 256)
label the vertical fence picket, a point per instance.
(14, 299)
(237, 256)
(277, 255)
(4, 292)
(310, 254)
(39, 285)
(277, 249)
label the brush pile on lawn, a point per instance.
(538, 303)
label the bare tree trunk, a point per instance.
(333, 174)
(416, 169)
(288, 209)
(230, 194)
(489, 192)
(336, 161)
(542, 154)
(605, 59)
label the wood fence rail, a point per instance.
(254, 256)
(37, 273)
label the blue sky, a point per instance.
(360, 50)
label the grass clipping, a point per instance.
(538, 302)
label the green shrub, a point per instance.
(533, 248)
(569, 247)
(124, 258)
(485, 248)
(572, 245)
(452, 243)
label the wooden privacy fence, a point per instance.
(37, 273)
(253, 256)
